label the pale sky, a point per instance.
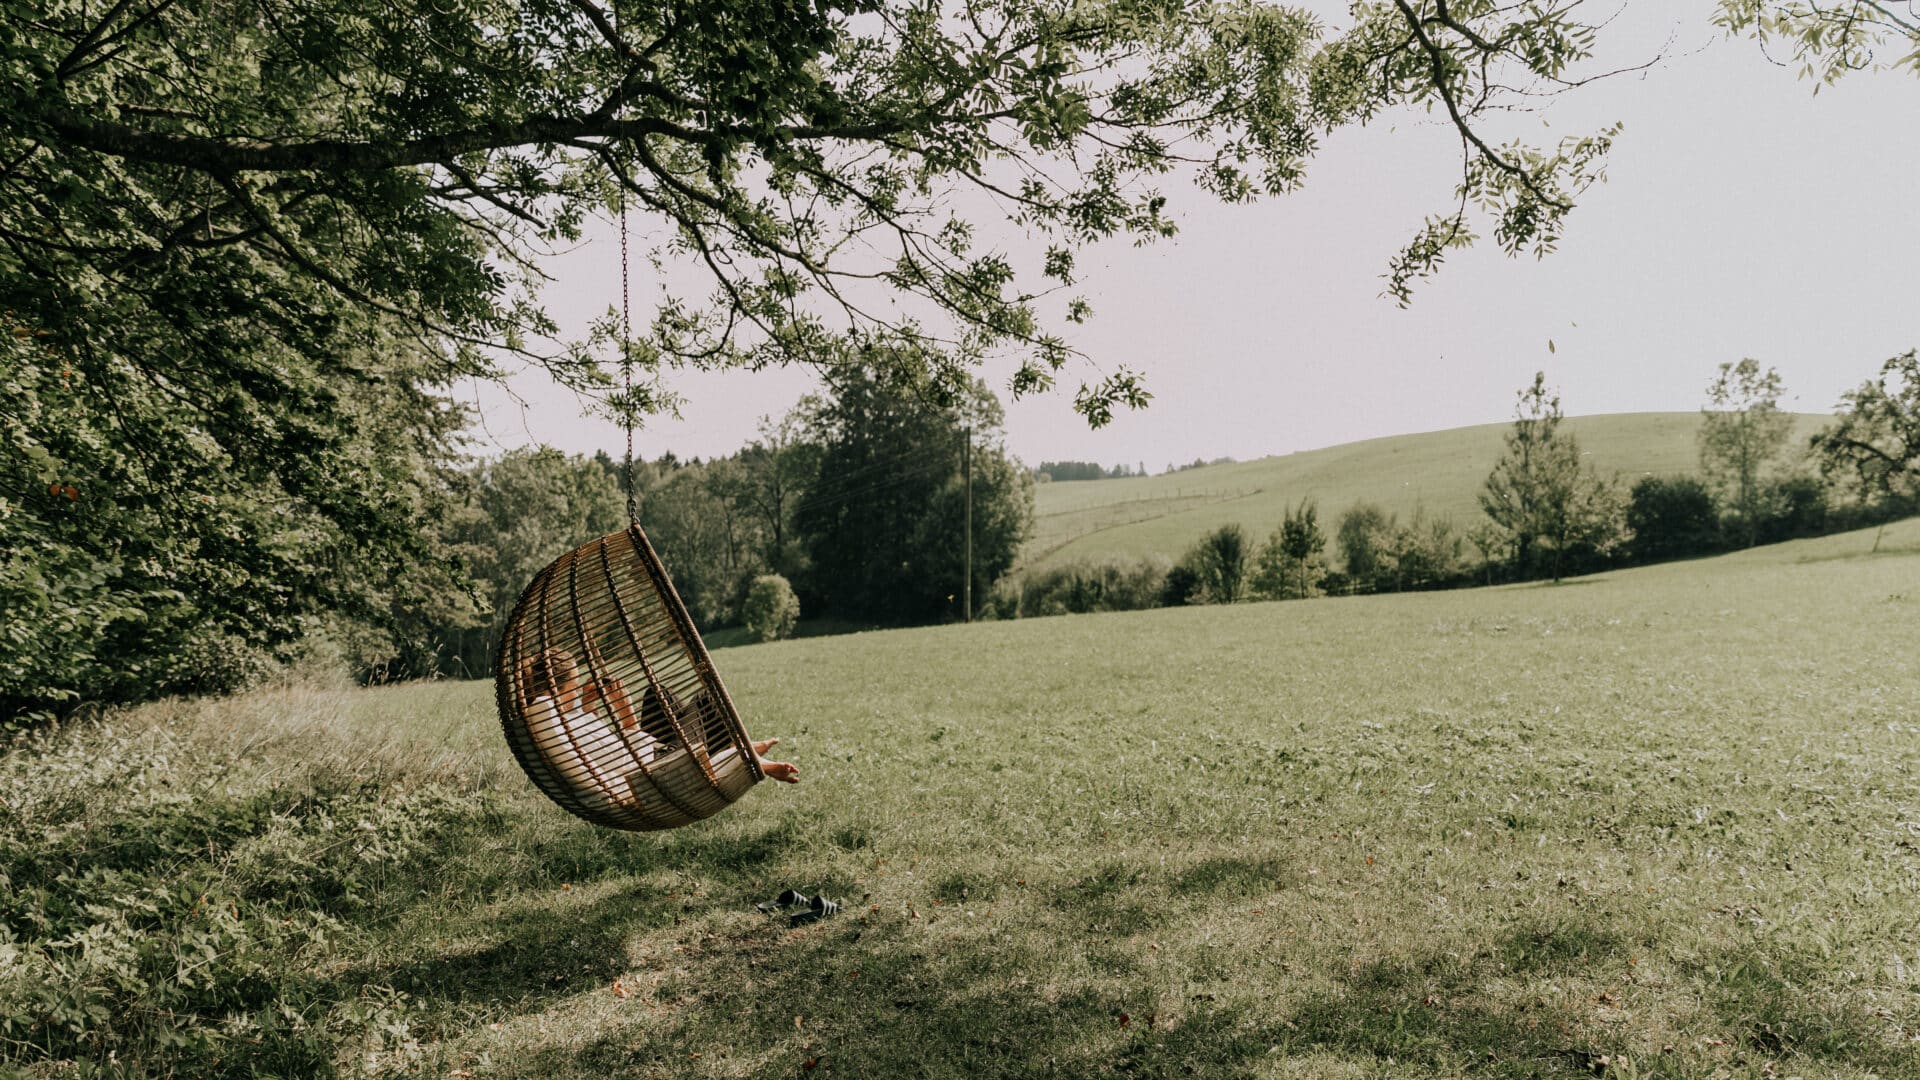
(1744, 216)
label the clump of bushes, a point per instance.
(1219, 566)
(1671, 517)
(1112, 584)
(1674, 517)
(771, 610)
(1380, 553)
(1292, 564)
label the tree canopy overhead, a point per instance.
(409, 157)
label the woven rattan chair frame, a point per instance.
(609, 699)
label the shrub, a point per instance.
(1112, 584)
(1671, 517)
(1003, 600)
(1220, 561)
(1139, 585)
(1363, 534)
(1182, 585)
(1292, 563)
(771, 609)
(1799, 506)
(1425, 553)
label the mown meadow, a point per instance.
(1438, 472)
(1659, 822)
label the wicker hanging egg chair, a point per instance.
(609, 699)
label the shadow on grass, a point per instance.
(1235, 875)
(1558, 946)
(545, 949)
(872, 1005)
(540, 956)
(1570, 582)
(888, 998)
(1763, 1001)
(1113, 901)
(1884, 551)
(1435, 1011)
(497, 937)
(877, 1000)
(497, 934)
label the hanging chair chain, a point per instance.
(626, 315)
(626, 352)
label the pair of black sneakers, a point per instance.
(811, 908)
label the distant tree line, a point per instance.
(1547, 512)
(1084, 470)
(1198, 463)
(1066, 471)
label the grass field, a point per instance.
(1662, 822)
(1442, 471)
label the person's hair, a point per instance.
(549, 672)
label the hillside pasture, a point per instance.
(1441, 472)
(1055, 529)
(1661, 822)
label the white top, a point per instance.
(586, 749)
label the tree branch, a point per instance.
(1437, 61)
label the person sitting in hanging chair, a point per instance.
(578, 727)
(561, 710)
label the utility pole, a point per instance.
(966, 470)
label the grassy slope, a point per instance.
(1667, 813)
(1441, 471)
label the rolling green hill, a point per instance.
(1441, 471)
